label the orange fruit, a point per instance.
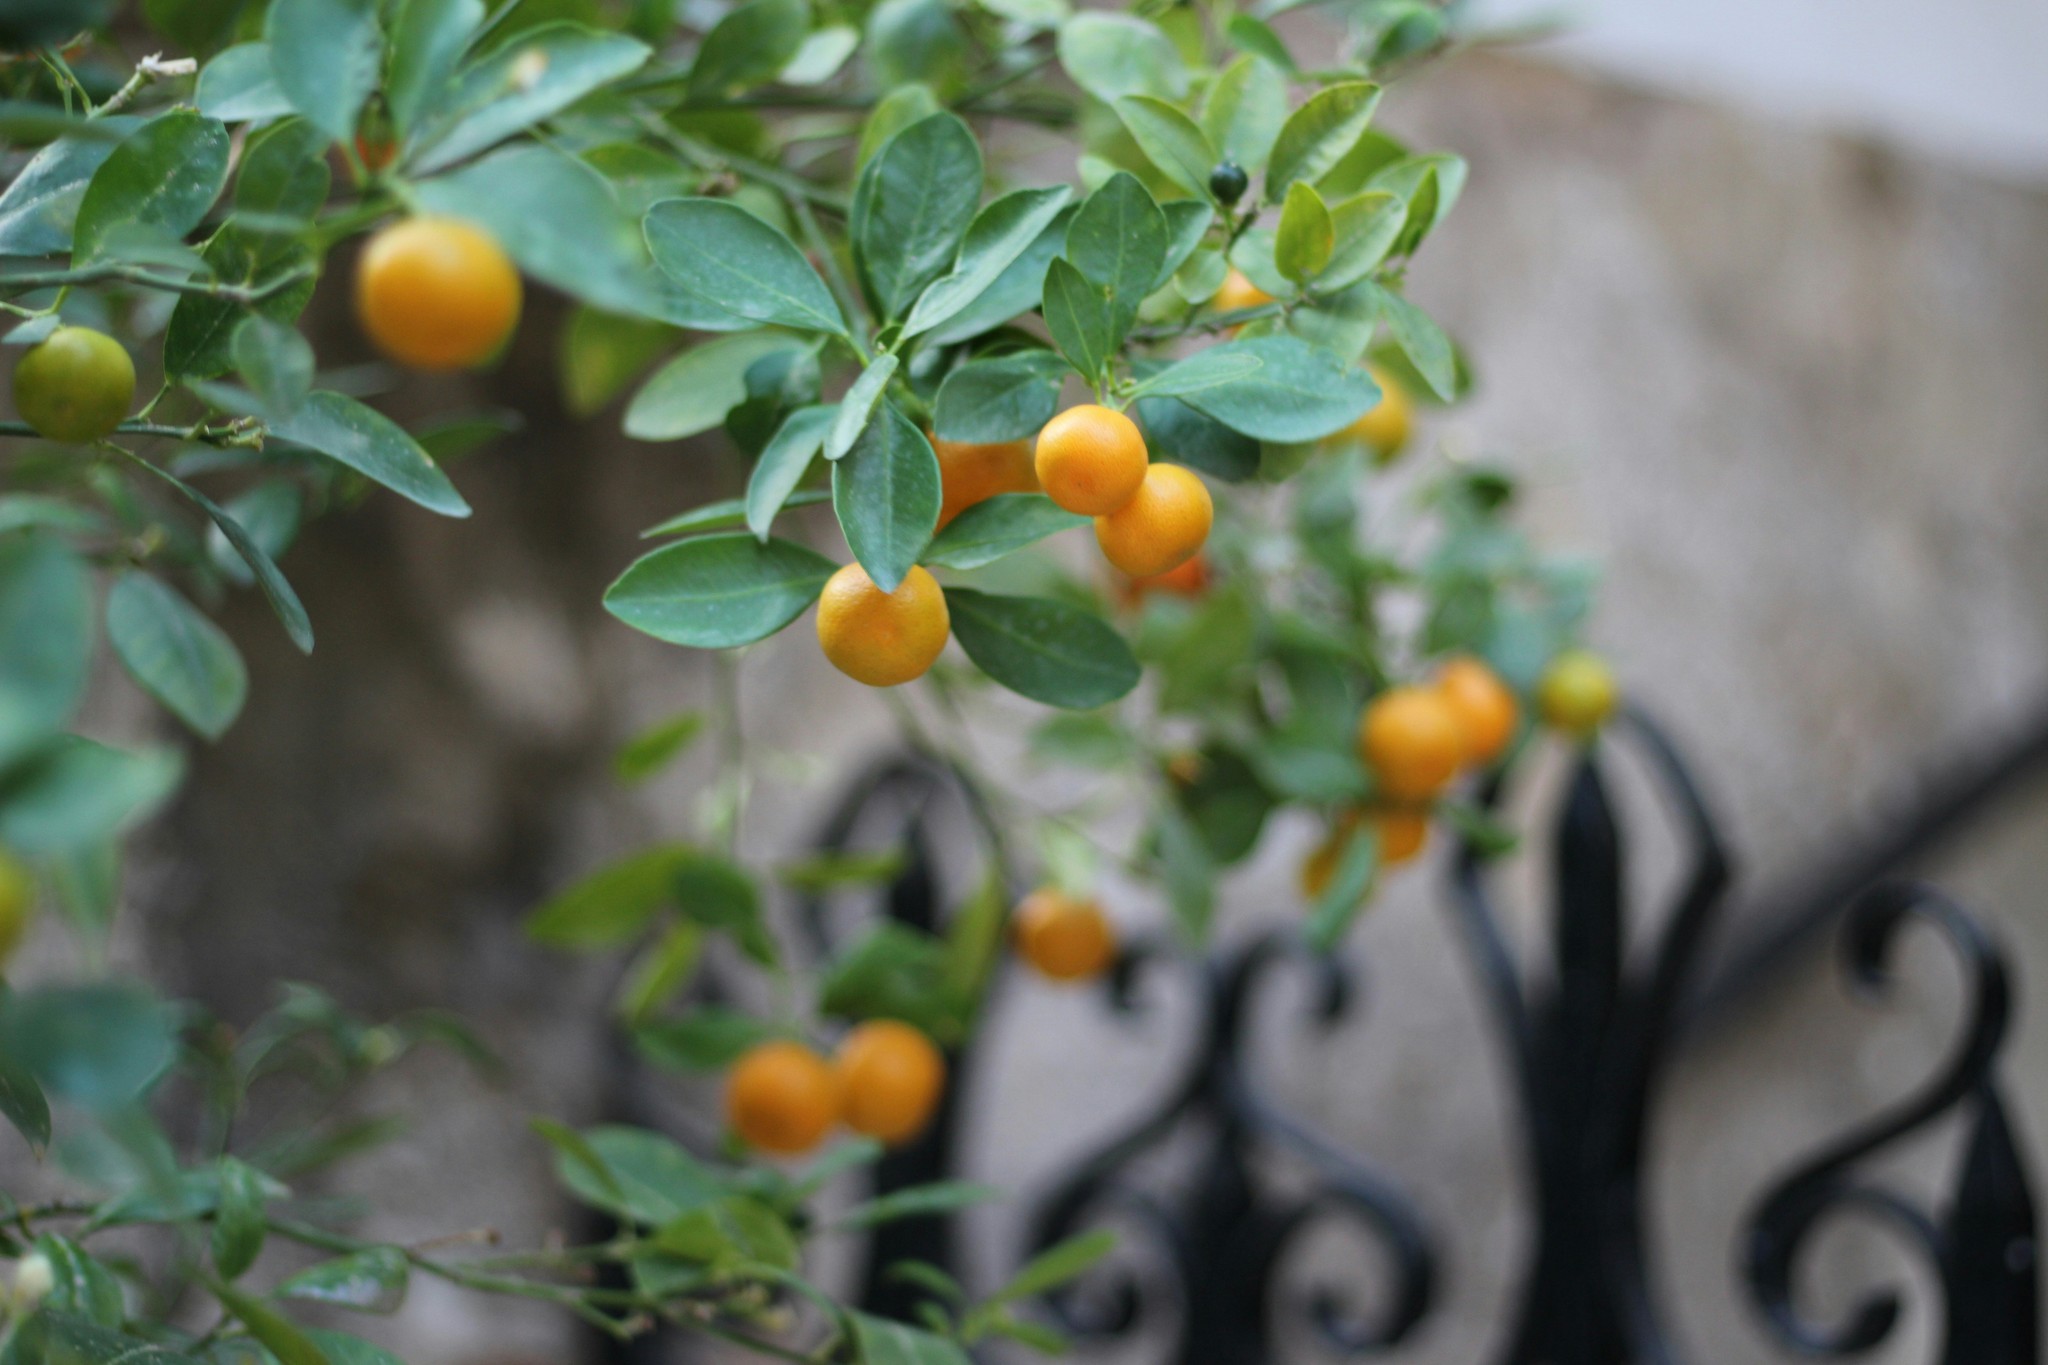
(1238, 292)
(1091, 459)
(1486, 708)
(1191, 579)
(781, 1097)
(1577, 693)
(1412, 740)
(971, 473)
(74, 385)
(1067, 938)
(890, 1080)
(1402, 832)
(1163, 526)
(437, 293)
(882, 638)
(1386, 425)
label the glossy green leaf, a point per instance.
(694, 392)
(1171, 140)
(912, 208)
(46, 636)
(1008, 398)
(175, 654)
(101, 1045)
(342, 1349)
(427, 41)
(659, 745)
(239, 1219)
(276, 590)
(1299, 393)
(280, 1336)
(373, 445)
(917, 40)
(526, 81)
(1424, 343)
(1186, 222)
(1430, 185)
(1243, 111)
(1118, 241)
(749, 46)
(162, 179)
(325, 55)
(998, 526)
(895, 111)
(1083, 318)
(886, 492)
(1305, 238)
(275, 361)
(613, 904)
(75, 793)
(851, 417)
(1365, 227)
(1320, 132)
(1042, 649)
(1112, 55)
(1017, 290)
(1205, 369)
(883, 1341)
(709, 1038)
(893, 972)
(239, 86)
(821, 55)
(739, 264)
(999, 235)
(783, 463)
(720, 591)
(1057, 1265)
(719, 894)
(40, 204)
(23, 1104)
(651, 1179)
(373, 1280)
(79, 1284)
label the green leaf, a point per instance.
(1188, 871)
(652, 1181)
(995, 527)
(997, 238)
(1205, 369)
(1171, 140)
(324, 55)
(1252, 36)
(720, 894)
(603, 353)
(567, 226)
(1349, 889)
(277, 1333)
(783, 463)
(895, 111)
(748, 47)
(527, 80)
(1118, 241)
(718, 592)
(1424, 343)
(373, 1280)
(238, 1220)
(739, 264)
(916, 40)
(1056, 1265)
(1017, 290)
(21, 1100)
(283, 601)
(918, 1201)
(894, 972)
(238, 86)
(374, 446)
(1366, 227)
(1430, 185)
(1083, 319)
(836, 871)
(696, 391)
(175, 654)
(1005, 399)
(820, 56)
(80, 1285)
(76, 793)
(1305, 239)
(427, 42)
(1114, 55)
(882, 1341)
(850, 420)
(276, 361)
(342, 1349)
(162, 178)
(1319, 133)
(887, 495)
(1042, 649)
(912, 208)
(1186, 222)
(613, 904)
(709, 1038)
(974, 939)
(102, 1045)
(54, 1338)
(726, 513)
(46, 633)
(38, 208)
(654, 748)
(1245, 107)
(1299, 393)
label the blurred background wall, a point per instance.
(1760, 296)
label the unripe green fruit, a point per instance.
(1228, 183)
(74, 385)
(17, 904)
(1577, 692)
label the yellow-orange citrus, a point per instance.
(1067, 938)
(1577, 692)
(1385, 427)
(1238, 292)
(781, 1097)
(1190, 579)
(1402, 832)
(1411, 739)
(882, 638)
(1164, 525)
(437, 293)
(1091, 459)
(971, 473)
(890, 1080)
(1486, 707)
(74, 385)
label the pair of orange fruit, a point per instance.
(884, 1082)
(1149, 518)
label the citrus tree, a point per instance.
(1182, 334)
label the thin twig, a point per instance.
(136, 275)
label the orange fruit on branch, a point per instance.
(1486, 707)
(1163, 526)
(1402, 832)
(1412, 740)
(882, 638)
(1191, 579)
(1091, 459)
(782, 1097)
(1577, 693)
(1384, 427)
(890, 1079)
(74, 385)
(1064, 937)
(437, 293)
(970, 473)
(1238, 292)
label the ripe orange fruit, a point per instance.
(1411, 739)
(1091, 459)
(437, 293)
(1238, 292)
(882, 638)
(1577, 692)
(781, 1097)
(971, 473)
(1191, 579)
(1386, 425)
(17, 904)
(1064, 937)
(1163, 526)
(890, 1080)
(1486, 708)
(1402, 832)
(74, 385)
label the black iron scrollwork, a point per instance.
(1984, 1246)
